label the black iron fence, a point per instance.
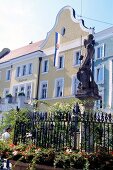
(86, 132)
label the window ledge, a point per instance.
(24, 76)
(100, 83)
(77, 65)
(44, 72)
(96, 59)
(58, 69)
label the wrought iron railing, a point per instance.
(86, 132)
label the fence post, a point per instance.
(76, 111)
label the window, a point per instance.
(61, 62)
(59, 85)
(44, 88)
(18, 73)
(30, 68)
(8, 75)
(6, 91)
(22, 89)
(16, 93)
(24, 70)
(25, 88)
(77, 57)
(75, 83)
(63, 30)
(99, 104)
(99, 75)
(28, 93)
(45, 66)
(99, 51)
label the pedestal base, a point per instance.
(87, 94)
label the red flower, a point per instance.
(11, 145)
(111, 153)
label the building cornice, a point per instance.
(22, 58)
(107, 33)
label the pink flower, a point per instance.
(15, 153)
(68, 150)
(37, 150)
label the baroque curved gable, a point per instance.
(74, 28)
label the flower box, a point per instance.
(24, 166)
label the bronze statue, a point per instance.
(87, 86)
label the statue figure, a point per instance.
(87, 86)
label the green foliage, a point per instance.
(5, 149)
(9, 95)
(11, 117)
(45, 157)
(67, 159)
(70, 160)
(61, 109)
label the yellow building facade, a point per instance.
(60, 83)
(19, 72)
(31, 69)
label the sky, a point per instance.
(23, 21)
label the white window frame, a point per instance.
(55, 91)
(74, 87)
(40, 92)
(103, 51)
(7, 75)
(25, 87)
(4, 92)
(43, 66)
(61, 55)
(28, 84)
(96, 71)
(28, 69)
(24, 74)
(22, 85)
(75, 57)
(14, 87)
(18, 75)
(97, 103)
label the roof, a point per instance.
(33, 47)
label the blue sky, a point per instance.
(23, 21)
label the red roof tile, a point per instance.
(22, 51)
